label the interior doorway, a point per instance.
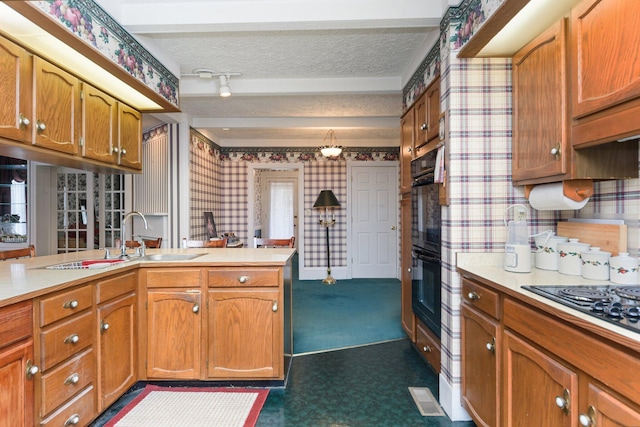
(275, 201)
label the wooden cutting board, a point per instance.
(608, 237)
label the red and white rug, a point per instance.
(159, 406)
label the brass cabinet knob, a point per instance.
(23, 121)
(426, 349)
(243, 279)
(588, 419)
(71, 304)
(564, 402)
(72, 420)
(72, 339)
(72, 379)
(274, 307)
(473, 296)
(40, 126)
(196, 308)
(103, 326)
(31, 369)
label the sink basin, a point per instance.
(85, 264)
(170, 257)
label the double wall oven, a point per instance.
(425, 236)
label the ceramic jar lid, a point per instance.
(595, 264)
(570, 261)
(623, 269)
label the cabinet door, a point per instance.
(604, 409)
(16, 393)
(406, 151)
(433, 109)
(245, 333)
(99, 124)
(605, 54)
(173, 334)
(117, 349)
(408, 318)
(130, 137)
(480, 366)
(15, 86)
(538, 389)
(540, 139)
(57, 108)
(421, 121)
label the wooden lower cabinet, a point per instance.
(117, 343)
(610, 412)
(481, 366)
(16, 356)
(539, 389)
(408, 318)
(428, 345)
(245, 333)
(174, 322)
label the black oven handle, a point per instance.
(424, 179)
(424, 257)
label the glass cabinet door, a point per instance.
(13, 201)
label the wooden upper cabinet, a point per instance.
(421, 121)
(15, 86)
(605, 54)
(540, 139)
(606, 71)
(432, 102)
(57, 108)
(130, 137)
(406, 150)
(99, 124)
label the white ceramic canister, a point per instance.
(569, 261)
(595, 264)
(623, 269)
(547, 257)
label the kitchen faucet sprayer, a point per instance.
(123, 234)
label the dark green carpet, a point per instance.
(350, 313)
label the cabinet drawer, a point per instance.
(66, 380)
(173, 277)
(63, 304)
(235, 277)
(61, 341)
(428, 345)
(15, 323)
(112, 287)
(481, 297)
(78, 412)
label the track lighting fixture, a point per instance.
(224, 90)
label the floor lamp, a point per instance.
(326, 199)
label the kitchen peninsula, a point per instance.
(84, 336)
(528, 360)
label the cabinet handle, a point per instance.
(72, 379)
(423, 126)
(31, 369)
(564, 402)
(274, 307)
(473, 296)
(123, 152)
(115, 150)
(588, 419)
(23, 121)
(103, 326)
(426, 349)
(72, 339)
(71, 304)
(243, 279)
(196, 308)
(491, 346)
(40, 126)
(555, 151)
(72, 420)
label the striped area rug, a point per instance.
(159, 406)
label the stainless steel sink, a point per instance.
(170, 257)
(85, 264)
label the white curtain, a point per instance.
(281, 210)
(19, 205)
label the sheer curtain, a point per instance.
(281, 210)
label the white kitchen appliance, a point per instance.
(517, 250)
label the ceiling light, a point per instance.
(331, 149)
(224, 90)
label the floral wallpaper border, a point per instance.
(89, 22)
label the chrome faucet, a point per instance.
(123, 234)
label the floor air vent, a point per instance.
(426, 403)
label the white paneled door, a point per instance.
(374, 224)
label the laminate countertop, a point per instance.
(488, 268)
(27, 278)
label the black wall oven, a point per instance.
(426, 243)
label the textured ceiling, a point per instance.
(305, 68)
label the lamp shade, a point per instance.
(326, 199)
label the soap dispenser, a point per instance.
(517, 250)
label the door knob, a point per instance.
(393, 227)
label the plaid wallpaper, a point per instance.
(205, 186)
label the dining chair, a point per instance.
(274, 243)
(29, 252)
(132, 244)
(217, 243)
(153, 243)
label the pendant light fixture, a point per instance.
(330, 149)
